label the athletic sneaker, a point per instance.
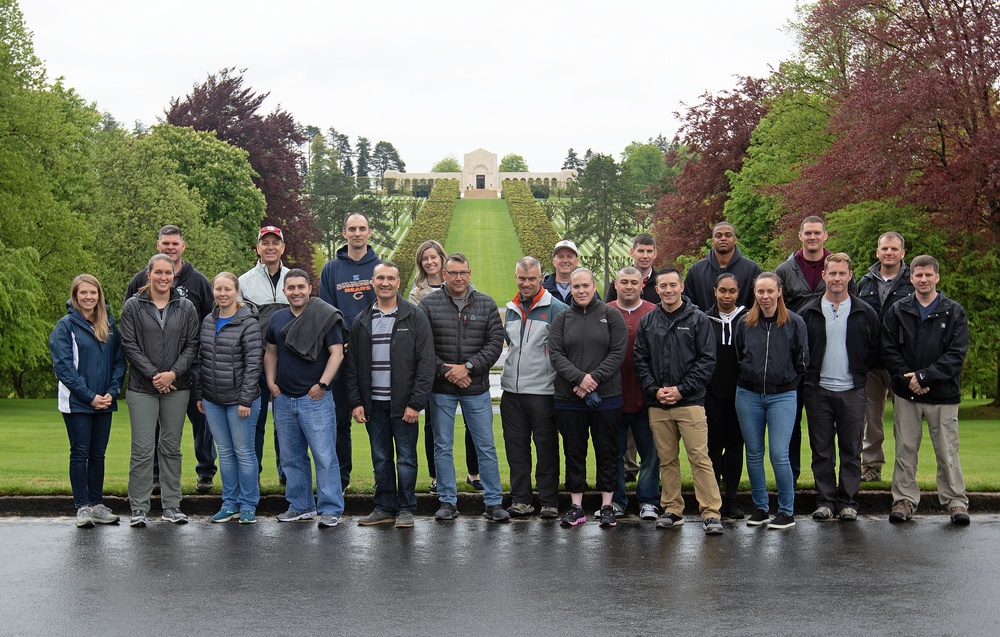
(822, 513)
(712, 526)
(376, 517)
(446, 512)
(758, 518)
(404, 520)
(84, 518)
(248, 517)
(138, 519)
(669, 521)
(619, 511)
(496, 513)
(520, 510)
(103, 515)
(175, 515)
(649, 512)
(549, 513)
(781, 521)
(291, 515)
(574, 516)
(608, 516)
(328, 520)
(225, 515)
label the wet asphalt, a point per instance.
(473, 577)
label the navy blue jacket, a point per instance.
(346, 284)
(86, 367)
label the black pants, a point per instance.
(576, 427)
(795, 444)
(840, 414)
(725, 442)
(342, 412)
(526, 416)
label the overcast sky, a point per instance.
(434, 78)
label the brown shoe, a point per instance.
(959, 515)
(902, 510)
(872, 474)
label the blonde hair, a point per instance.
(781, 313)
(233, 279)
(100, 321)
(149, 269)
(421, 276)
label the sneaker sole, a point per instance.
(85, 525)
(404, 525)
(779, 527)
(299, 518)
(232, 517)
(376, 523)
(115, 521)
(713, 531)
(139, 524)
(608, 525)
(175, 520)
(329, 525)
(897, 518)
(254, 521)
(577, 522)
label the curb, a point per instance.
(871, 503)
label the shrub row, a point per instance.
(534, 230)
(432, 222)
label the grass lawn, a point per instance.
(482, 230)
(36, 455)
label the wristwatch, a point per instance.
(323, 385)
(468, 366)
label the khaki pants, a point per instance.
(942, 424)
(669, 427)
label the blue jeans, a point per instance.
(478, 412)
(234, 437)
(88, 440)
(647, 487)
(776, 414)
(393, 497)
(305, 425)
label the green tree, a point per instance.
(447, 165)
(512, 163)
(330, 193)
(572, 161)
(385, 157)
(604, 212)
(643, 167)
(363, 165)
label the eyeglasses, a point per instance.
(462, 273)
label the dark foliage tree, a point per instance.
(572, 161)
(223, 105)
(385, 157)
(717, 133)
(604, 212)
(362, 167)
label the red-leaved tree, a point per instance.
(224, 106)
(716, 133)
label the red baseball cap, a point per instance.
(275, 230)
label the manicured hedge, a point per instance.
(534, 230)
(432, 222)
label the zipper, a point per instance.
(767, 353)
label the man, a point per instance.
(565, 259)
(194, 286)
(346, 284)
(725, 256)
(262, 285)
(629, 285)
(843, 336)
(801, 276)
(468, 337)
(390, 369)
(527, 406)
(304, 351)
(886, 282)
(925, 338)
(675, 358)
(643, 253)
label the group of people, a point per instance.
(717, 359)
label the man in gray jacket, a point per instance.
(527, 406)
(468, 337)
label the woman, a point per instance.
(725, 440)
(231, 358)
(430, 258)
(773, 356)
(587, 347)
(160, 336)
(89, 363)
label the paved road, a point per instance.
(472, 577)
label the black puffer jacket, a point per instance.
(588, 340)
(231, 359)
(772, 359)
(151, 349)
(473, 335)
(679, 353)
